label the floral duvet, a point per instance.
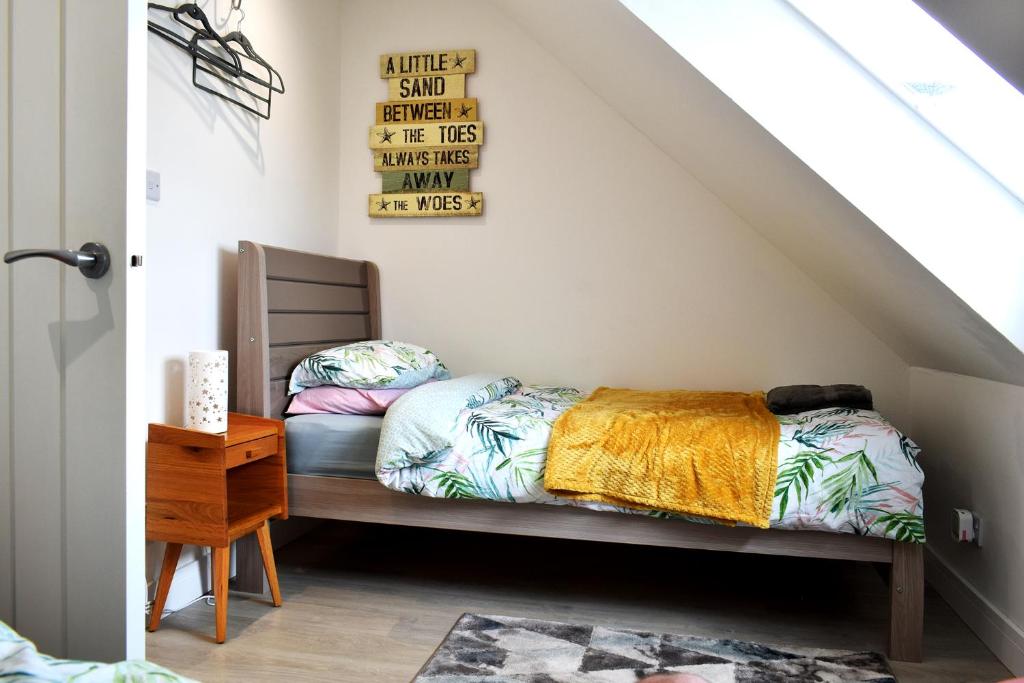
(20, 661)
(839, 469)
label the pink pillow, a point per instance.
(332, 399)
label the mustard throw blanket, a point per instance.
(706, 453)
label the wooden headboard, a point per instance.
(292, 304)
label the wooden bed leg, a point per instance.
(249, 565)
(906, 602)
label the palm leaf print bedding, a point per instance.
(841, 470)
(20, 661)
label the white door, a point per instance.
(72, 478)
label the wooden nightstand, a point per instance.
(211, 489)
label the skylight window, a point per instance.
(935, 74)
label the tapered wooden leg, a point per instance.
(267, 550)
(906, 602)
(221, 565)
(163, 587)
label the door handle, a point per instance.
(93, 259)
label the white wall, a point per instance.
(599, 259)
(228, 176)
(972, 435)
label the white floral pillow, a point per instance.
(368, 365)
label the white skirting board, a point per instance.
(192, 579)
(1002, 636)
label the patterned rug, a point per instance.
(492, 649)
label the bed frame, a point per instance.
(292, 303)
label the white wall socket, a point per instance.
(966, 526)
(152, 186)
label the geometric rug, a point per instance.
(493, 649)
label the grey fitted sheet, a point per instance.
(333, 445)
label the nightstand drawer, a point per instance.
(250, 451)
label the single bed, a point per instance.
(291, 304)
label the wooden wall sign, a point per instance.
(426, 137)
(422, 158)
(426, 110)
(427, 63)
(426, 181)
(413, 205)
(427, 87)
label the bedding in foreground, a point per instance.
(842, 470)
(20, 661)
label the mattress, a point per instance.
(333, 445)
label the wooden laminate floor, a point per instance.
(366, 603)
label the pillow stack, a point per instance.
(363, 378)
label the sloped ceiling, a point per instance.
(991, 28)
(695, 124)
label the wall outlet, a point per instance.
(152, 186)
(966, 526)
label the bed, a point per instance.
(291, 304)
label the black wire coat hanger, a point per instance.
(234, 83)
(196, 13)
(239, 37)
(262, 90)
(229, 68)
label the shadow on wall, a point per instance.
(173, 67)
(174, 384)
(227, 285)
(69, 339)
(227, 314)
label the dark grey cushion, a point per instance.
(798, 398)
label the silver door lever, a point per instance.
(93, 259)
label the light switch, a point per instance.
(152, 186)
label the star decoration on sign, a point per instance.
(383, 205)
(464, 111)
(386, 135)
(459, 59)
(473, 202)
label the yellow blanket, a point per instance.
(706, 453)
